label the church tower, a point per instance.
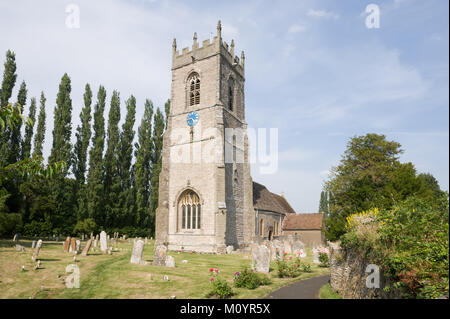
(205, 189)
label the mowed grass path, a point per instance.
(112, 276)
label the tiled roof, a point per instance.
(263, 199)
(303, 221)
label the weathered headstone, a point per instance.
(66, 246)
(73, 245)
(159, 259)
(315, 256)
(136, 255)
(86, 248)
(33, 244)
(16, 238)
(230, 249)
(287, 246)
(37, 249)
(78, 242)
(297, 246)
(95, 243)
(170, 261)
(261, 258)
(103, 242)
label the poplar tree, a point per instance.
(26, 145)
(8, 82)
(62, 187)
(157, 139)
(40, 131)
(16, 137)
(95, 188)
(127, 200)
(143, 154)
(112, 164)
(83, 136)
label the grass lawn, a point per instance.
(326, 292)
(112, 276)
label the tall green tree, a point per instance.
(144, 148)
(40, 131)
(26, 145)
(16, 137)
(8, 82)
(62, 187)
(112, 164)
(127, 196)
(369, 175)
(323, 206)
(95, 189)
(158, 131)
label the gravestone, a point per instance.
(67, 244)
(170, 261)
(95, 243)
(78, 242)
(261, 258)
(297, 245)
(315, 256)
(73, 245)
(136, 255)
(82, 236)
(20, 247)
(159, 259)
(33, 244)
(287, 246)
(16, 238)
(37, 249)
(86, 248)
(230, 249)
(277, 249)
(103, 242)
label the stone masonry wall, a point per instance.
(348, 276)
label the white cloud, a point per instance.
(296, 28)
(323, 14)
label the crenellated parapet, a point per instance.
(208, 49)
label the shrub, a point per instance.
(289, 268)
(324, 260)
(250, 279)
(220, 288)
(306, 267)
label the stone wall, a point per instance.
(348, 275)
(311, 238)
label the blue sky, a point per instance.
(313, 70)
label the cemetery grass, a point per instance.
(113, 276)
(326, 292)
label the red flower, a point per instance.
(216, 270)
(211, 279)
(211, 269)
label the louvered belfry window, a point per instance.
(194, 89)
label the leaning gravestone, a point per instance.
(16, 238)
(170, 261)
(136, 255)
(73, 245)
(66, 244)
(159, 259)
(37, 249)
(103, 242)
(86, 248)
(261, 258)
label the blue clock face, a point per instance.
(192, 118)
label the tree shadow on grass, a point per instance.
(48, 259)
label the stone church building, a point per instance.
(207, 205)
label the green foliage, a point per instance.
(40, 131)
(324, 260)
(289, 268)
(85, 226)
(411, 246)
(26, 145)
(220, 288)
(250, 279)
(369, 175)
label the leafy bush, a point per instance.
(220, 288)
(289, 268)
(324, 260)
(250, 279)
(410, 244)
(306, 267)
(85, 226)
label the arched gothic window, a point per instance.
(194, 89)
(189, 208)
